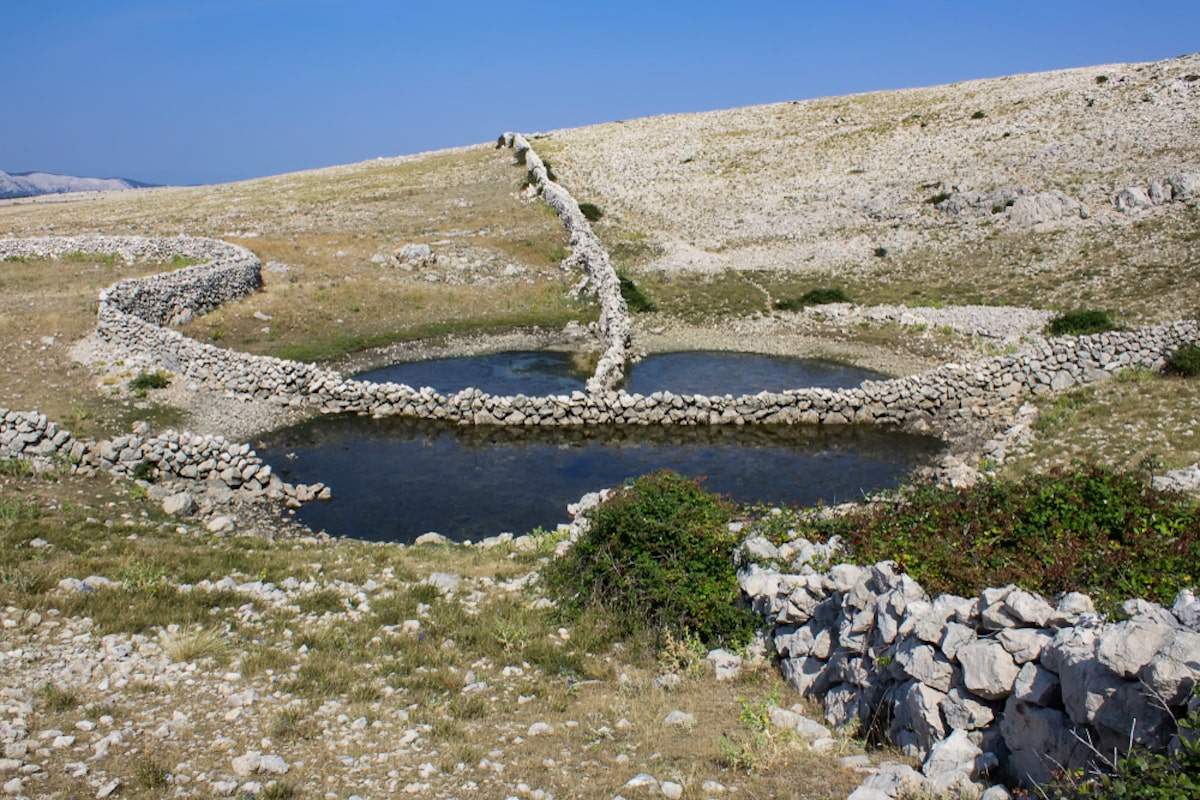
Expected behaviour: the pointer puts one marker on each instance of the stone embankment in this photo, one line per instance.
(1003, 686)
(167, 456)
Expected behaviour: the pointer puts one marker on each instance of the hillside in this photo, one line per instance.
(32, 184)
(941, 178)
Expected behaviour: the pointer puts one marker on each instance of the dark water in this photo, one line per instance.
(699, 372)
(396, 479)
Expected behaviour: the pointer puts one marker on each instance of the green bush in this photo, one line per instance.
(591, 211)
(144, 471)
(150, 380)
(978, 115)
(658, 556)
(1140, 774)
(635, 298)
(881, 252)
(933, 200)
(1185, 362)
(1081, 323)
(813, 297)
(1089, 529)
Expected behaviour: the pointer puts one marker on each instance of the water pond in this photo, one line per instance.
(691, 372)
(394, 479)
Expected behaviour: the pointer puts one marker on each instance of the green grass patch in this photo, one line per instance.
(1184, 362)
(813, 297)
(635, 298)
(591, 211)
(657, 557)
(1082, 322)
(145, 381)
(80, 257)
(1089, 529)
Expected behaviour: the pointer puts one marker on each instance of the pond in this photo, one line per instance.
(691, 372)
(394, 479)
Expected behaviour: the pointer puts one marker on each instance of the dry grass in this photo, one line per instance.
(326, 225)
(58, 299)
(597, 696)
(1120, 423)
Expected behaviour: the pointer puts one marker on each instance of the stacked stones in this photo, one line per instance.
(168, 456)
(589, 256)
(1004, 685)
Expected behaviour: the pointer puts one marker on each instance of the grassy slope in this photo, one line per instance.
(581, 684)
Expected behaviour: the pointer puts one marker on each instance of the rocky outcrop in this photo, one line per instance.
(1004, 685)
(1031, 210)
(1181, 187)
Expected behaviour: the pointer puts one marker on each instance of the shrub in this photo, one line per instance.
(978, 115)
(657, 556)
(1088, 529)
(591, 211)
(1140, 774)
(1101, 79)
(933, 200)
(813, 297)
(150, 380)
(1081, 323)
(144, 471)
(635, 298)
(881, 252)
(1185, 362)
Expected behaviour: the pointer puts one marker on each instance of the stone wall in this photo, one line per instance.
(590, 257)
(169, 456)
(1005, 685)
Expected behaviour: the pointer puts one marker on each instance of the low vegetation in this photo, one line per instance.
(814, 297)
(1082, 322)
(481, 666)
(1184, 362)
(144, 381)
(1138, 416)
(1139, 774)
(657, 556)
(1102, 532)
(591, 211)
(635, 299)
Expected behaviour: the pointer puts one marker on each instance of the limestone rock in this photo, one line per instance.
(988, 670)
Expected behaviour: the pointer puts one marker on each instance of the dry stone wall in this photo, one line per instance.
(166, 456)
(134, 314)
(1007, 685)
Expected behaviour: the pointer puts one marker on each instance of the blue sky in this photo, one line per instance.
(201, 91)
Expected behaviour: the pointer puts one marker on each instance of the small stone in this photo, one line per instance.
(180, 504)
(680, 718)
(671, 790)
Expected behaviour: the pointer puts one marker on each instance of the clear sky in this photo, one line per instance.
(198, 91)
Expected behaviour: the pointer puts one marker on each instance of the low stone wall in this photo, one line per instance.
(1005, 685)
(590, 257)
(168, 456)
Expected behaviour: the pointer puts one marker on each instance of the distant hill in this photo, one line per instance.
(29, 184)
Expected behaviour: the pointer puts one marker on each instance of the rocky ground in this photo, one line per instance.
(1002, 191)
(145, 656)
